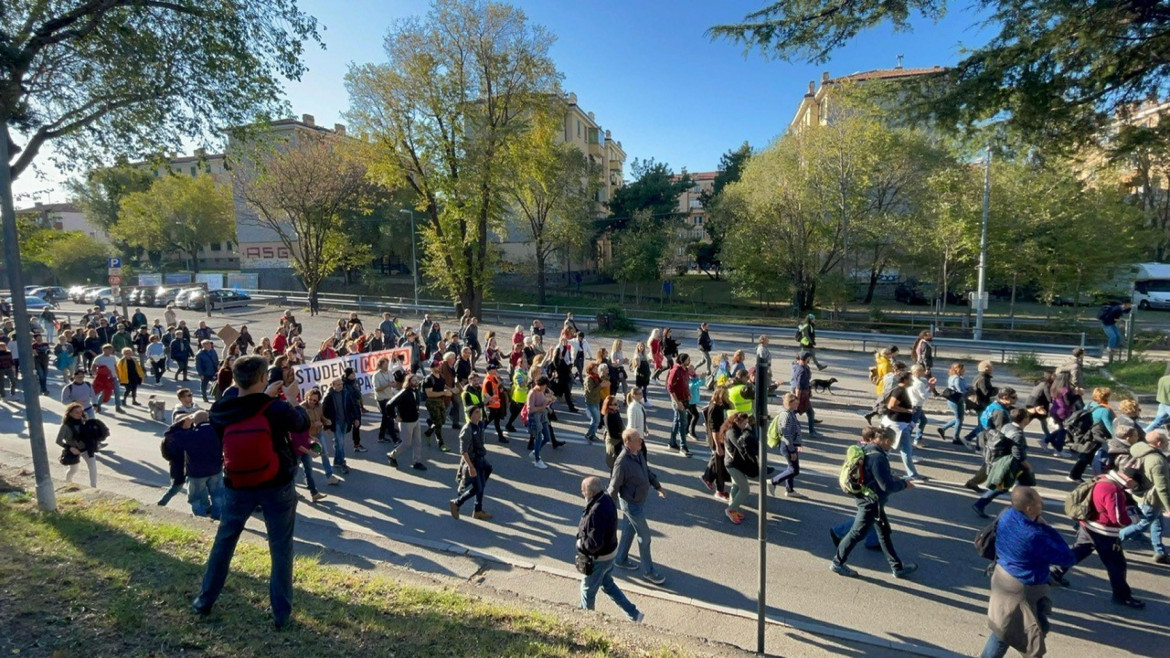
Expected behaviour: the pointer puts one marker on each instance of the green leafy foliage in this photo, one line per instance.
(177, 214)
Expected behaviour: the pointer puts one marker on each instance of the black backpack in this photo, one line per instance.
(985, 543)
(1105, 312)
(1079, 424)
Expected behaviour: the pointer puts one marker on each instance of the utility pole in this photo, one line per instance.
(981, 290)
(413, 256)
(46, 497)
(763, 380)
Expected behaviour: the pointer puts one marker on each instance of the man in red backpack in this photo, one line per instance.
(259, 466)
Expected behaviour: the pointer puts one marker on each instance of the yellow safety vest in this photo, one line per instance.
(740, 401)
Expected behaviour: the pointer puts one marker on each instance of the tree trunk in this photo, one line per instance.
(874, 272)
(1012, 307)
(314, 309)
(541, 273)
(194, 259)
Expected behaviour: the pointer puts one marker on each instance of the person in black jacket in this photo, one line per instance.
(705, 347)
(871, 509)
(276, 497)
(597, 539)
(340, 414)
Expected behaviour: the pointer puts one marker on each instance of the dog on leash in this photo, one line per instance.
(822, 385)
(158, 409)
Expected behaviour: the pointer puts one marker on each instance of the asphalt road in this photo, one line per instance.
(703, 556)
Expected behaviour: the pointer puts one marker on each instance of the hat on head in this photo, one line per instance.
(811, 316)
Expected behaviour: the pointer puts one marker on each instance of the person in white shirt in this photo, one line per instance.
(921, 389)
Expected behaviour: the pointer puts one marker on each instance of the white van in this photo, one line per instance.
(1151, 285)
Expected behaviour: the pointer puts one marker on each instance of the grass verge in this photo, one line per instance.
(1138, 375)
(103, 578)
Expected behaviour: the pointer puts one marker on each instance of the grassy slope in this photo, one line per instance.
(102, 578)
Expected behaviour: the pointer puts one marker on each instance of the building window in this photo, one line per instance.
(578, 129)
(698, 220)
(215, 246)
(194, 170)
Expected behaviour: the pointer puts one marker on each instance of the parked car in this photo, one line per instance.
(184, 296)
(165, 295)
(53, 294)
(85, 296)
(909, 293)
(34, 304)
(218, 299)
(104, 294)
(147, 296)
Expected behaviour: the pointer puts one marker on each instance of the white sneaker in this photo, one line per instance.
(638, 619)
(332, 480)
(539, 464)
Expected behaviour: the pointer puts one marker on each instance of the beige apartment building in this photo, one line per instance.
(816, 107)
(63, 217)
(690, 207)
(582, 130)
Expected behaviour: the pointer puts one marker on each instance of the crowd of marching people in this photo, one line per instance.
(480, 384)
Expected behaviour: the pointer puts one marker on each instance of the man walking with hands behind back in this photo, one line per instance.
(597, 541)
(631, 482)
(259, 468)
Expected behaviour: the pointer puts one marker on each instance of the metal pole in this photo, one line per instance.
(763, 380)
(1131, 329)
(46, 497)
(413, 256)
(983, 245)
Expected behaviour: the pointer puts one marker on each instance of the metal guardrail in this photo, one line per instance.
(529, 312)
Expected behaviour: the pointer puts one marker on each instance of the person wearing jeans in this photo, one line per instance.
(741, 456)
(1157, 500)
(900, 413)
(631, 482)
(205, 494)
(539, 400)
(474, 469)
(592, 386)
(871, 509)
(597, 539)
(245, 492)
(678, 384)
(1163, 415)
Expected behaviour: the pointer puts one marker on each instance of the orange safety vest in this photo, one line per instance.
(492, 396)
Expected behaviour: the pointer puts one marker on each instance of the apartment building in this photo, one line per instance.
(694, 215)
(582, 130)
(816, 106)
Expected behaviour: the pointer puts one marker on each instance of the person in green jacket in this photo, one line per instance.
(1156, 501)
(1163, 415)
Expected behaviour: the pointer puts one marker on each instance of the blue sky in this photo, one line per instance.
(644, 67)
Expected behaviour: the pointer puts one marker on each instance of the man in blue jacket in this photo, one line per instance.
(1025, 549)
(275, 497)
(871, 510)
(206, 366)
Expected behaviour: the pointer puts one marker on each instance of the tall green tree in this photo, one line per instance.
(554, 193)
(1059, 70)
(303, 192)
(99, 194)
(458, 88)
(641, 253)
(707, 254)
(655, 189)
(178, 214)
(102, 78)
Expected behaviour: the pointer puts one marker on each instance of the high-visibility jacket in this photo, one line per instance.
(519, 386)
(471, 399)
(491, 390)
(741, 397)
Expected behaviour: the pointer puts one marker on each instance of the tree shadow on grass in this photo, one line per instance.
(130, 595)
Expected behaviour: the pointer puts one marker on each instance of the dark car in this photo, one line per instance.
(146, 296)
(909, 293)
(218, 299)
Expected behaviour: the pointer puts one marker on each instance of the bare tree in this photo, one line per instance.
(301, 191)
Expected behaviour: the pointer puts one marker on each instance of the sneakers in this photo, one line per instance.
(979, 511)
(627, 565)
(942, 434)
(360, 449)
(454, 507)
(722, 495)
(539, 464)
(318, 496)
(1161, 558)
(656, 578)
(637, 619)
(502, 439)
(794, 494)
(482, 516)
(841, 570)
(393, 461)
(733, 516)
(707, 483)
(344, 469)
(1072, 479)
(684, 451)
(970, 484)
(332, 479)
(1056, 578)
(907, 569)
(418, 466)
(443, 448)
(771, 488)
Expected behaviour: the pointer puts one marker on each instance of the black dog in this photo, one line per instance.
(822, 385)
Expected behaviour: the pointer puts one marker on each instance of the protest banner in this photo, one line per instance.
(320, 373)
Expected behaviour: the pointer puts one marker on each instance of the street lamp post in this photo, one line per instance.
(980, 292)
(413, 255)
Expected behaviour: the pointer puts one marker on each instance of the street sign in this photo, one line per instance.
(115, 280)
(114, 263)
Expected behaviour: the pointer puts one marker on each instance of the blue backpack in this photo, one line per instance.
(985, 417)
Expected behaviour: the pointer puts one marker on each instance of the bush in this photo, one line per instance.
(1025, 365)
(620, 322)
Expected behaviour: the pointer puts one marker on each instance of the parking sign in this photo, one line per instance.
(114, 263)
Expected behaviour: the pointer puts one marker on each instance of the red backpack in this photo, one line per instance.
(249, 457)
